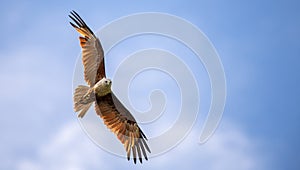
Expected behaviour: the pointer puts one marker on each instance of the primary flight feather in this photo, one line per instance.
(114, 114)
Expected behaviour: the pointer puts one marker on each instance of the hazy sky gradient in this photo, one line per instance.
(258, 43)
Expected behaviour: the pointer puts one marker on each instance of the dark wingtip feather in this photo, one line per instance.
(79, 21)
(141, 161)
(143, 135)
(145, 144)
(79, 24)
(134, 160)
(142, 148)
(72, 11)
(73, 25)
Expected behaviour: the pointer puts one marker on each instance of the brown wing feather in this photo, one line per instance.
(115, 117)
(92, 51)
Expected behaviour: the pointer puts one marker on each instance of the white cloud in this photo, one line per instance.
(69, 148)
(231, 149)
(228, 148)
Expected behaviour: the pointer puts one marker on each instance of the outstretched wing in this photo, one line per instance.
(92, 51)
(119, 120)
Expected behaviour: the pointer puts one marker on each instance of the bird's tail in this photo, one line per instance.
(82, 100)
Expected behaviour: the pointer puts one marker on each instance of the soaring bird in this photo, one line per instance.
(107, 106)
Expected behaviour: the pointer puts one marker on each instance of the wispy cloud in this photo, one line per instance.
(69, 148)
(35, 91)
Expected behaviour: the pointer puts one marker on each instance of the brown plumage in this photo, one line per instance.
(114, 114)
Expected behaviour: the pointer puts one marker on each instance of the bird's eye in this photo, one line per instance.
(105, 81)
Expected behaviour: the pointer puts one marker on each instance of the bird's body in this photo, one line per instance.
(114, 114)
(85, 95)
(102, 87)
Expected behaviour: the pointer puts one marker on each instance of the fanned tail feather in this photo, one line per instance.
(83, 107)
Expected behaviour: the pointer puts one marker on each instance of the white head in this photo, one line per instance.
(103, 87)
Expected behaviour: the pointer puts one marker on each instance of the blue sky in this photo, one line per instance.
(257, 41)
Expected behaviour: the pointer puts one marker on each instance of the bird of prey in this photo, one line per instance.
(107, 106)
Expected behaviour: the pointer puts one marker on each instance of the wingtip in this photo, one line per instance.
(73, 25)
(71, 13)
(142, 133)
(79, 21)
(149, 150)
(74, 12)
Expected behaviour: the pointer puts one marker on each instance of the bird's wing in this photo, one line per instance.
(92, 51)
(119, 120)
